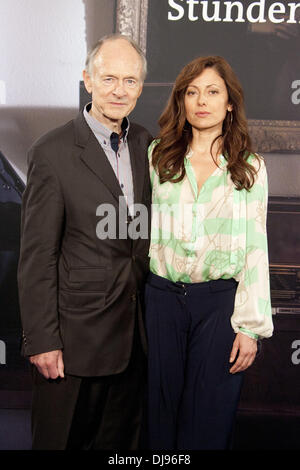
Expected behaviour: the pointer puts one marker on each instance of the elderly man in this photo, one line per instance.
(80, 292)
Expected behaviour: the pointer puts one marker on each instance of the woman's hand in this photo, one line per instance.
(247, 348)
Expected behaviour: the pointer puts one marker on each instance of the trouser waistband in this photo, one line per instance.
(183, 287)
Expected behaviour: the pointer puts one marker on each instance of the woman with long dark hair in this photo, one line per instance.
(207, 296)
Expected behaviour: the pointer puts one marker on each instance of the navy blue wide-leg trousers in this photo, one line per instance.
(192, 396)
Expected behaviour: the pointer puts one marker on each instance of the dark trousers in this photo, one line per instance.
(192, 397)
(90, 413)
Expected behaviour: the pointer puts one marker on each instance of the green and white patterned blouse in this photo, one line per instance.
(217, 233)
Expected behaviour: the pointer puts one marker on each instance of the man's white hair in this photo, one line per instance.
(113, 37)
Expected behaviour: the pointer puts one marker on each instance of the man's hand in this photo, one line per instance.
(49, 364)
(247, 348)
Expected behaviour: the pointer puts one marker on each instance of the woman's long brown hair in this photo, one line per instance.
(176, 132)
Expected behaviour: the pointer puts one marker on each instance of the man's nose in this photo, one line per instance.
(119, 89)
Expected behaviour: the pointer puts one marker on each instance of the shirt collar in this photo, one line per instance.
(101, 131)
(189, 154)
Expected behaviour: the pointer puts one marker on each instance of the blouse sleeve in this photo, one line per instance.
(252, 312)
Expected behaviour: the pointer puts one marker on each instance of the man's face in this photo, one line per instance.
(115, 82)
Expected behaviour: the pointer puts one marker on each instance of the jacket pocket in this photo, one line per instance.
(88, 279)
(80, 300)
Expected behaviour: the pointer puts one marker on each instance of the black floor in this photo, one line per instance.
(252, 432)
(15, 429)
(267, 432)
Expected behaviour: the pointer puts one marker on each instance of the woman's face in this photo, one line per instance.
(206, 101)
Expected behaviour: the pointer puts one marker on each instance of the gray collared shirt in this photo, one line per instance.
(120, 161)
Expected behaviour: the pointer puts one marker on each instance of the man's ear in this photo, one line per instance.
(87, 81)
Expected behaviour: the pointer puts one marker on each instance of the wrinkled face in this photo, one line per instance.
(115, 82)
(206, 101)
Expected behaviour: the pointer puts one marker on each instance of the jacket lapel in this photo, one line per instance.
(94, 157)
(137, 165)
